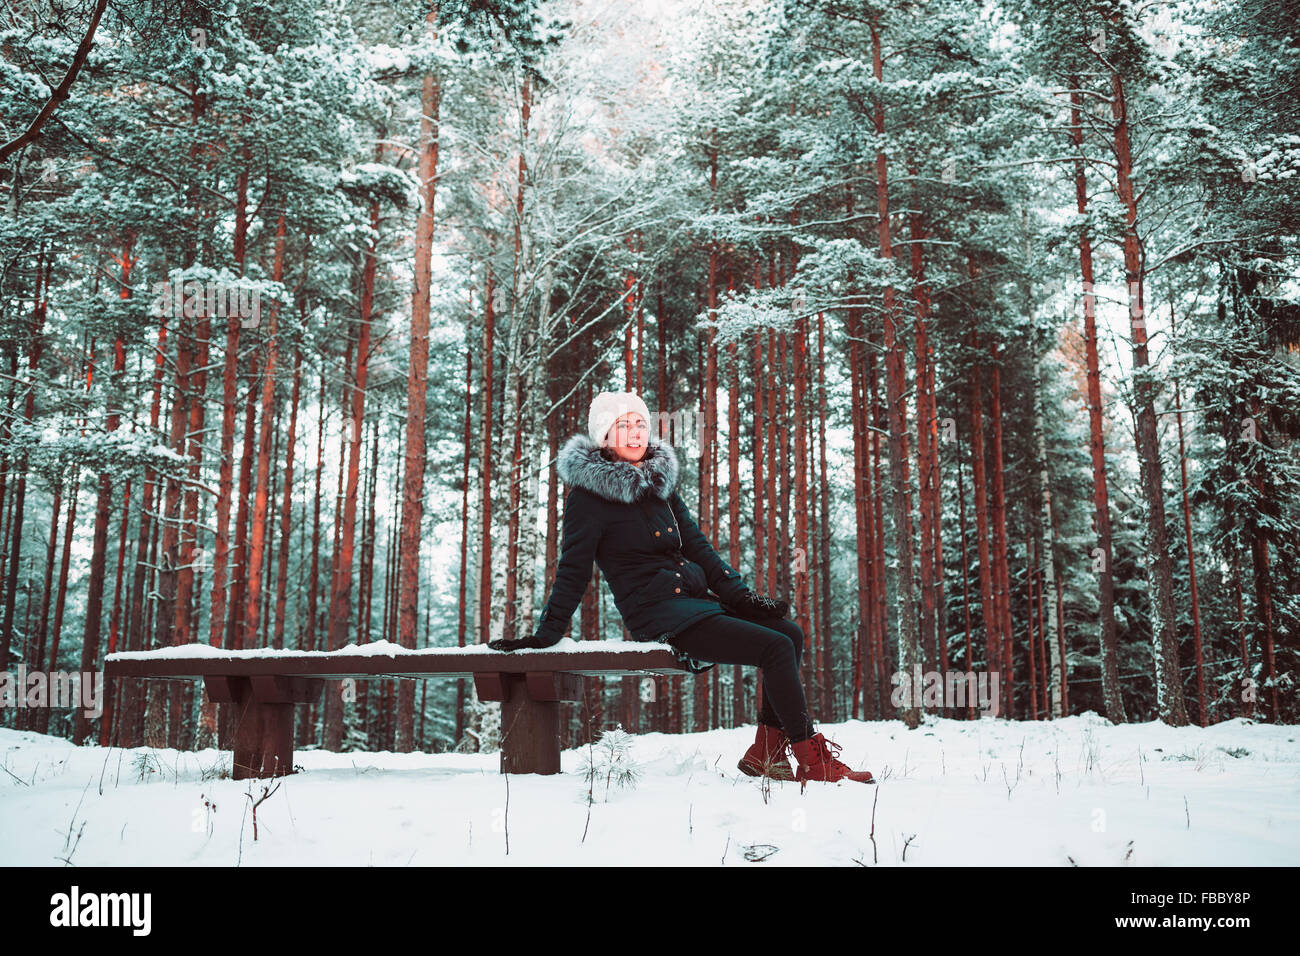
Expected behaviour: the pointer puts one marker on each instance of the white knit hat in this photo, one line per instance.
(609, 407)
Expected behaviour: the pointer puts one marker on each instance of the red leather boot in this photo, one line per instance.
(766, 756)
(817, 762)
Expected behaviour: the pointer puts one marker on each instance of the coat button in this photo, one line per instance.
(656, 534)
(681, 562)
(678, 573)
(677, 590)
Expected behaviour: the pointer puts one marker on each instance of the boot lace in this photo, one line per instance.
(830, 756)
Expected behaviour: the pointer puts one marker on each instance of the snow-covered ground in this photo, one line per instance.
(949, 793)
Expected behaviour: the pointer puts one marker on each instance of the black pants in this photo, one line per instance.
(775, 645)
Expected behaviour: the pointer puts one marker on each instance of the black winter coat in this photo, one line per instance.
(633, 524)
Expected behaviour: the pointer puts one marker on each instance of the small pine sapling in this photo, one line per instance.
(610, 759)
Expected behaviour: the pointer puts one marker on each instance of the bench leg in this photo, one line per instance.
(530, 730)
(263, 745)
(263, 740)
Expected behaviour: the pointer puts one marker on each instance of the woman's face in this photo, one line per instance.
(628, 437)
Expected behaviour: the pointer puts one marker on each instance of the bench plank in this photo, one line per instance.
(263, 686)
(596, 658)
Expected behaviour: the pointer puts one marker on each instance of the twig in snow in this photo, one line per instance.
(1188, 812)
(591, 773)
(267, 791)
(71, 823)
(906, 843)
(875, 855)
(239, 855)
(724, 849)
(68, 859)
(1010, 786)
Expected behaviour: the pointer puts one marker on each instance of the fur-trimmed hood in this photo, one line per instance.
(581, 463)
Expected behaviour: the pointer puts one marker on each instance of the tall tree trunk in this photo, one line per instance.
(156, 724)
(61, 602)
(43, 267)
(880, 651)
(113, 694)
(802, 590)
(230, 385)
(1187, 528)
(185, 609)
(759, 373)
(30, 719)
(235, 630)
(1043, 640)
(417, 386)
(310, 639)
(1029, 605)
(341, 582)
(1112, 698)
(1263, 587)
(988, 607)
(733, 510)
(286, 508)
(485, 549)
(103, 504)
(700, 716)
(1245, 678)
(462, 595)
(252, 622)
(863, 525)
(136, 627)
(1168, 677)
(1056, 707)
(1002, 573)
(628, 686)
(895, 389)
(369, 535)
(926, 450)
(512, 418)
(824, 522)
(965, 581)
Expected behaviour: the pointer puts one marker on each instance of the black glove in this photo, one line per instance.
(501, 644)
(758, 607)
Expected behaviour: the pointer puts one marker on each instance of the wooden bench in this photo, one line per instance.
(264, 685)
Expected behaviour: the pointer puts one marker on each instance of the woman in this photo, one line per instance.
(624, 512)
